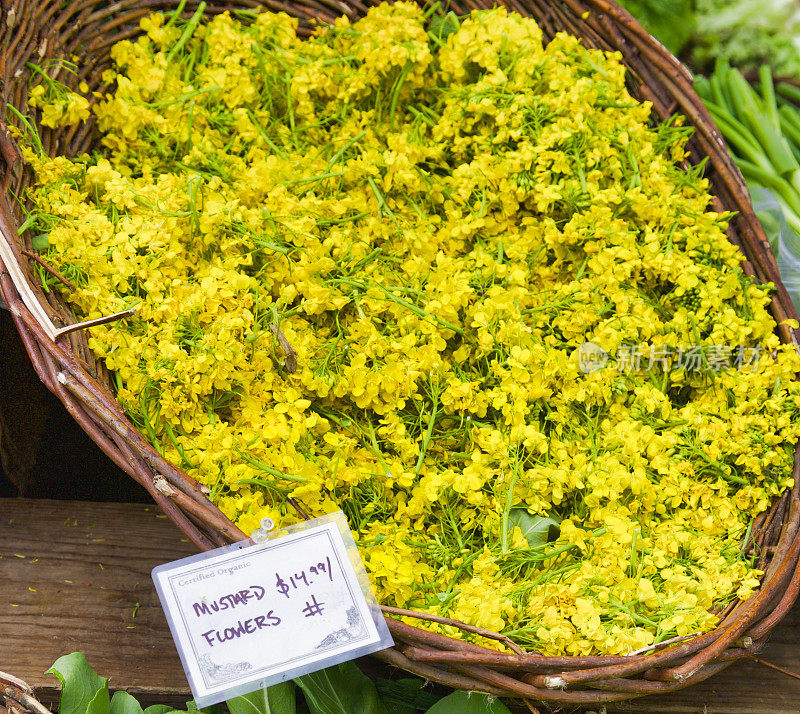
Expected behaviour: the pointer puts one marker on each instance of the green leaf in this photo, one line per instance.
(671, 22)
(212, 709)
(277, 699)
(343, 688)
(40, 242)
(100, 704)
(80, 684)
(442, 26)
(537, 530)
(469, 703)
(159, 709)
(124, 703)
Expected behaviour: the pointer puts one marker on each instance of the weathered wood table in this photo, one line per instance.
(76, 576)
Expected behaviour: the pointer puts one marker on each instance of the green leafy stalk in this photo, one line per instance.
(188, 31)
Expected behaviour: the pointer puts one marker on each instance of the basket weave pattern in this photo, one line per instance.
(39, 31)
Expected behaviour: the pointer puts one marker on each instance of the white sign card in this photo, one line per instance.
(250, 615)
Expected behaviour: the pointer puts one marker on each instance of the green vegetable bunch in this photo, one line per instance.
(342, 689)
(749, 34)
(762, 130)
(746, 33)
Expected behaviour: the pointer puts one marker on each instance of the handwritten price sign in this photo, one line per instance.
(247, 616)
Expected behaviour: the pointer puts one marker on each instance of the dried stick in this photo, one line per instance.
(771, 665)
(658, 645)
(96, 321)
(23, 695)
(455, 623)
(49, 268)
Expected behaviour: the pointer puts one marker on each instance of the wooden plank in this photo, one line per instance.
(73, 574)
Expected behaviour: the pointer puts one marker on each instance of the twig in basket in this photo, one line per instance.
(288, 350)
(20, 281)
(10, 153)
(513, 646)
(15, 682)
(161, 484)
(528, 703)
(97, 321)
(49, 268)
(300, 510)
(26, 701)
(657, 645)
(770, 665)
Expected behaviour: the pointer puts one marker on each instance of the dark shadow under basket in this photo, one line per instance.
(41, 30)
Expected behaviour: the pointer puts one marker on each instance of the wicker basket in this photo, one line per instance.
(39, 30)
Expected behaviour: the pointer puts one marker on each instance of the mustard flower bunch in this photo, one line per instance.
(366, 265)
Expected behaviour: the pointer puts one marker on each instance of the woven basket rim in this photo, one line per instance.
(31, 30)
